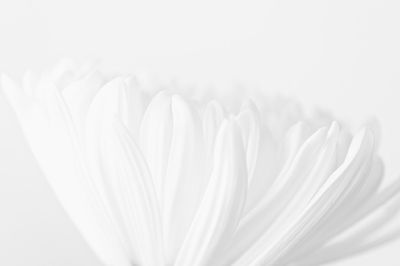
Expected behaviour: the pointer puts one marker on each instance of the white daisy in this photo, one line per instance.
(159, 179)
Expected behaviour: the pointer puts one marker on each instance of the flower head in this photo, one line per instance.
(156, 178)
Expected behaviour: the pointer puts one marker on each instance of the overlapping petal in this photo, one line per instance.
(153, 178)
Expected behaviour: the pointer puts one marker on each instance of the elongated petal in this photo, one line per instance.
(213, 115)
(102, 110)
(135, 195)
(110, 102)
(249, 122)
(78, 96)
(185, 178)
(221, 206)
(56, 151)
(155, 138)
(152, 178)
(281, 237)
(272, 160)
(134, 106)
(363, 240)
(254, 224)
(341, 219)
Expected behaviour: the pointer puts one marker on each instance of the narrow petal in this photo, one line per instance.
(249, 122)
(213, 115)
(135, 193)
(155, 138)
(342, 218)
(254, 224)
(185, 178)
(55, 147)
(220, 209)
(365, 237)
(284, 234)
(101, 113)
(79, 94)
(272, 160)
(134, 111)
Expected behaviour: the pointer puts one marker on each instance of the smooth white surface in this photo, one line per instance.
(340, 55)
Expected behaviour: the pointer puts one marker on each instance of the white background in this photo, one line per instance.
(342, 55)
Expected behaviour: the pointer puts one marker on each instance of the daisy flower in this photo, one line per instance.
(152, 177)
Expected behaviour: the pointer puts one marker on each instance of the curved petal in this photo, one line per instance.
(220, 209)
(249, 122)
(342, 218)
(55, 147)
(185, 177)
(155, 138)
(110, 102)
(285, 234)
(135, 195)
(254, 224)
(365, 236)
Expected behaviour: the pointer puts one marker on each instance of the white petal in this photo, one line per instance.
(105, 107)
(270, 161)
(185, 178)
(367, 234)
(102, 111)
(135, 193)
(79, 94)
(220, 209)
(254, 224)
(213, 115)
(249, 122)
(284, 234)
(55, 147)
(133, 107)
(340, 219)
(155, 137)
